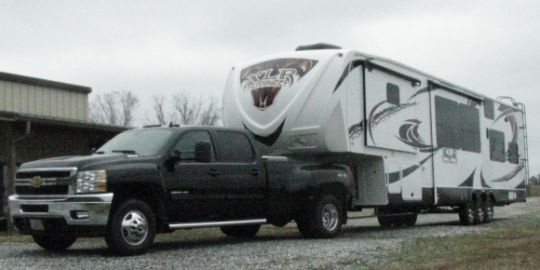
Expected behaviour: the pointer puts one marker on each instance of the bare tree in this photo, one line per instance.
(209, 115)
(115, 108)
(186, 109)
(159, 109)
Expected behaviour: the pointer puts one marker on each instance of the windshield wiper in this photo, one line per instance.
(125, 151)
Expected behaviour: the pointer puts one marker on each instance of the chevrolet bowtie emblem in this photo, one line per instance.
(36, 182)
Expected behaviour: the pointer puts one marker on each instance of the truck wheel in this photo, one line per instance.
(245, 231)
(131, 229)
(466, 214)
(489, 210)
(479, 214)
(54, 242)
(323, 219)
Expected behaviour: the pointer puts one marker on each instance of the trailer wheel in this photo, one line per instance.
(479, 214)
(131, 229)
(323, 219)
(466, 214)
(489, 210)
(245, 231)
(54, 242)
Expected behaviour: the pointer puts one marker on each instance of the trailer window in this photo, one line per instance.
(469, 128)
(233, 147)
(513, 152)
(392, 94)
(489, 111)
(447, 122)
(496, 145)
(457, 125)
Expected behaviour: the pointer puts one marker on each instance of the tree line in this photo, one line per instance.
(119, 108)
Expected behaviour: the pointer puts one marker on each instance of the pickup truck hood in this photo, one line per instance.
(81, 162)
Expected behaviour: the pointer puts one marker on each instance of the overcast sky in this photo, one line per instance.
(149, 47)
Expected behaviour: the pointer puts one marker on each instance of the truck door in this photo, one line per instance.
(243, 180)
(194, 186)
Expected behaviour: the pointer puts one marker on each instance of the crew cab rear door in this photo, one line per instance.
(244, 178)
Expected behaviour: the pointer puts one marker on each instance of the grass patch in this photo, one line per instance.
(534, 190)
(516, 246)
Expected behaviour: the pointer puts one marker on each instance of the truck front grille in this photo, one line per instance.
(54, 181)
(44, 190)
(43, 174)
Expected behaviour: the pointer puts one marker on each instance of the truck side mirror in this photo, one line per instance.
(203, 152)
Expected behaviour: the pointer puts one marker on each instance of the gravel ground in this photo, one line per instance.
(362, 244)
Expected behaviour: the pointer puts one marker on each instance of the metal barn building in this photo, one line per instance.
(42, 118)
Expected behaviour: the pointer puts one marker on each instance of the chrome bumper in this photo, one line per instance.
(87, 210)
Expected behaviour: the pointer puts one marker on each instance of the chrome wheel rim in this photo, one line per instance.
(470, 214)
(490, 212)
(134, 228)
(481, 214)
(330, 217)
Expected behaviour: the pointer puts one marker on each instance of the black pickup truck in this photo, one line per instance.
(155, 180)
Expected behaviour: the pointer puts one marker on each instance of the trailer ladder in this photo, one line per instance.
(523, 127)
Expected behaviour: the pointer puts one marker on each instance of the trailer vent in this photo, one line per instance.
(317, 46)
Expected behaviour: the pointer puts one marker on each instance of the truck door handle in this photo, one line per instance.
(254, 172)
(214, 172)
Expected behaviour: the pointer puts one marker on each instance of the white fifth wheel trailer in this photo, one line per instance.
(414, 142)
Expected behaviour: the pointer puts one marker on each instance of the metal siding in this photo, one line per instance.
(3, 90)
(43, 101)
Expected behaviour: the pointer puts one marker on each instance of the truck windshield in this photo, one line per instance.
(143, 142)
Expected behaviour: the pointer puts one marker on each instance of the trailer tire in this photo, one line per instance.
(489, 210)
(466, 214)
(131, 229)
(479, 214)
(54, 242)
(244, 231)
(323, 219)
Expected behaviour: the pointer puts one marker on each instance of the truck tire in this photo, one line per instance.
(54, 242)
(131, 229)
(244, 231)
(479, 215)
(386, 221)
(409, 219)
(466, 214)
(323, 219)
(489, 210)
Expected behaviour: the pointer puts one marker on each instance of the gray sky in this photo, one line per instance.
(150, 47)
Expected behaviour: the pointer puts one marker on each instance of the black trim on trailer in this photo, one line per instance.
(435, 85)
(370, 65)
(366, 124)
(433, 199)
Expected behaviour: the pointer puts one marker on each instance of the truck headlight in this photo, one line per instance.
(91, 181)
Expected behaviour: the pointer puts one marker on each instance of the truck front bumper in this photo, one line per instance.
(82, 213)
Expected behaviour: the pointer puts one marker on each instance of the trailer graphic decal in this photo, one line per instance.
(508, 176)
(395, 176)
(377, 118)
(408, 134)
(265, 80)
(270, 139)
(469, 181)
